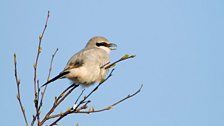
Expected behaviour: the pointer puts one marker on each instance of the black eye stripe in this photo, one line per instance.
(102, 44)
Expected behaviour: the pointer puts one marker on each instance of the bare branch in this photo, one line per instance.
(37, 110)
(79, 96)
(43, 92)
(129, 96)
(59, 114)
(39, 49)
(91, 110)
(48, 78)
(18, 91)
(58, 101)
(111, 106)
(125, 57)
(35, 71)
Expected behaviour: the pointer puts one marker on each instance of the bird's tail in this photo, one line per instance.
(55, 78)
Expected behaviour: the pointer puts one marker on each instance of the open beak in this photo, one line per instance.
(112, 46)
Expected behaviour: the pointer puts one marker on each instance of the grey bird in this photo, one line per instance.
(88, 65)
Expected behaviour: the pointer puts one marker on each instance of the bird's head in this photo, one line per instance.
(101, 42)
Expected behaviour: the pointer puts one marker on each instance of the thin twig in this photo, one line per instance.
(43, 92)
(39, 50)
(59, 114)
(38, 94)
(55, 104)
(35, 70)
(79, 96)
(18, 91)
(129, 96)
(111, 106)
(48, 78)
(58, 101)
(125, 57)
(64, 96)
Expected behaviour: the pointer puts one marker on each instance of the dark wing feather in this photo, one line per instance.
(55, 78)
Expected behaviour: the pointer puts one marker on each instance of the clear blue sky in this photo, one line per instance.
(179, 46)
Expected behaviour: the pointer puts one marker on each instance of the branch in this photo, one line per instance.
(92, 110)
(111, 106)
(35, 71)
(79, 96)
(36, 105)
(74, 106)
(18, 91)
(43, 92)
(48, 78)
(125, 57)
(58, 101)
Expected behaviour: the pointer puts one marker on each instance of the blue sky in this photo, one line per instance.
(178, 43)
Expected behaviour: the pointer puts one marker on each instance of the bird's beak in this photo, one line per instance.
(112, 46)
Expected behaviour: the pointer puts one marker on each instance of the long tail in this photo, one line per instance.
(55, 78)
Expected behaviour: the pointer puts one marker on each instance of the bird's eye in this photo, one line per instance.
(101, 44)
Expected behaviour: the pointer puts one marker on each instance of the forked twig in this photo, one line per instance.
(111, 106)
(58, 101)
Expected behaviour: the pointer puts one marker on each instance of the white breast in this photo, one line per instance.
(83, 75)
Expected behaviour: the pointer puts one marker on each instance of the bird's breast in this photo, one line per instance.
(85, 75)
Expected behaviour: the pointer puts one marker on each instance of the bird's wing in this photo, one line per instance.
(77, 63)
(94, 56)
(97, 56)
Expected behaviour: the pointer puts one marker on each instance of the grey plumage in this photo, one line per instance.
(86, 66)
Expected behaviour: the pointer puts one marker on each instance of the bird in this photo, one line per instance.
(87, 66)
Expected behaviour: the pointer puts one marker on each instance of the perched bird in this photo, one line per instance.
(88, 65)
